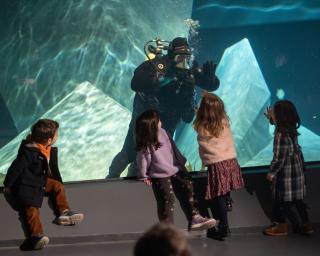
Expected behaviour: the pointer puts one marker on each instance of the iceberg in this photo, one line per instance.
(92, 130)
(246, 96)
(308, 140)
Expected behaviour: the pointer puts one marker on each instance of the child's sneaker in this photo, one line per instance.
(34, 243)
(41, 242)
(70, 218)
(201, 223)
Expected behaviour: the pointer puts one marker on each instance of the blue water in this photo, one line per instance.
(48, 49)
(231, 13)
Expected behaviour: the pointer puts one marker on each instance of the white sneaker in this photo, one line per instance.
(70, 218)
(43, 242)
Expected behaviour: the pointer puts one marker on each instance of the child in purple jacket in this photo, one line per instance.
(161, 165)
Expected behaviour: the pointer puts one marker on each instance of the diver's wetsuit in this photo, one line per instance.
(175, 101)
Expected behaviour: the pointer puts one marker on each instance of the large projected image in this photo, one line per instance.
(283, 36)
(246, 96)
(75, 65)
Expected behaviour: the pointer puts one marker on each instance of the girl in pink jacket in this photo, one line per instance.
(218, 154)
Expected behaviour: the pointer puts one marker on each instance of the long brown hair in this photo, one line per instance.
(287, 118)
(210, 115)
(146, 131)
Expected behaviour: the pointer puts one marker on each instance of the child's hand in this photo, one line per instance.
(270, 177)
(268, 113)
(6, 190)
(147, 181)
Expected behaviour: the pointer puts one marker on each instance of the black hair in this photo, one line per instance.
(286, 118)
(146, 131)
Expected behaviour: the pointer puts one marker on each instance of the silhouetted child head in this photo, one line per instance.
(211, 115)
(162, 240)
(45, 132)
(286, 117)
(146, 130)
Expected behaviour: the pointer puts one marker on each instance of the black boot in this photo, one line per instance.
(224, 230)
(215, 234)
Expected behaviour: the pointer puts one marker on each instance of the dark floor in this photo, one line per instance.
(238, 244)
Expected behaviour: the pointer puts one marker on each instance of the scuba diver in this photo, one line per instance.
(166, 83)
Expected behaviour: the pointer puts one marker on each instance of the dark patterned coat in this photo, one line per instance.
(287, 167)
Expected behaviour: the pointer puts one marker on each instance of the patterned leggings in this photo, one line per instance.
(164, 190)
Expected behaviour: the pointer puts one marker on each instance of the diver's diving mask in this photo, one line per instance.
(183, 61)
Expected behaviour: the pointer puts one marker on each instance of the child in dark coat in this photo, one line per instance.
(287, 172)
(33, 174)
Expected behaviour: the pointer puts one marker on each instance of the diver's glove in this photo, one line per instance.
(205, 76)
(209, 69)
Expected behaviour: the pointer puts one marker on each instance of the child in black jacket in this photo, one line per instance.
(33, 174)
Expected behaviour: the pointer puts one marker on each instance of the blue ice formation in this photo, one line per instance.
(246, 96)
(92, 129)
(308, 140)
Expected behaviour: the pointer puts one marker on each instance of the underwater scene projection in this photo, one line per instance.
(284, 38)
(75, 65)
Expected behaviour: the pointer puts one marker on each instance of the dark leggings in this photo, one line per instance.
(295, 211)
(164, 190)
(219, 209)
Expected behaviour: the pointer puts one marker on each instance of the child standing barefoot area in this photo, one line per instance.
(161, 165)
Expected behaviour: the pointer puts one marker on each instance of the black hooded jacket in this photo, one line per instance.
(28, 173)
